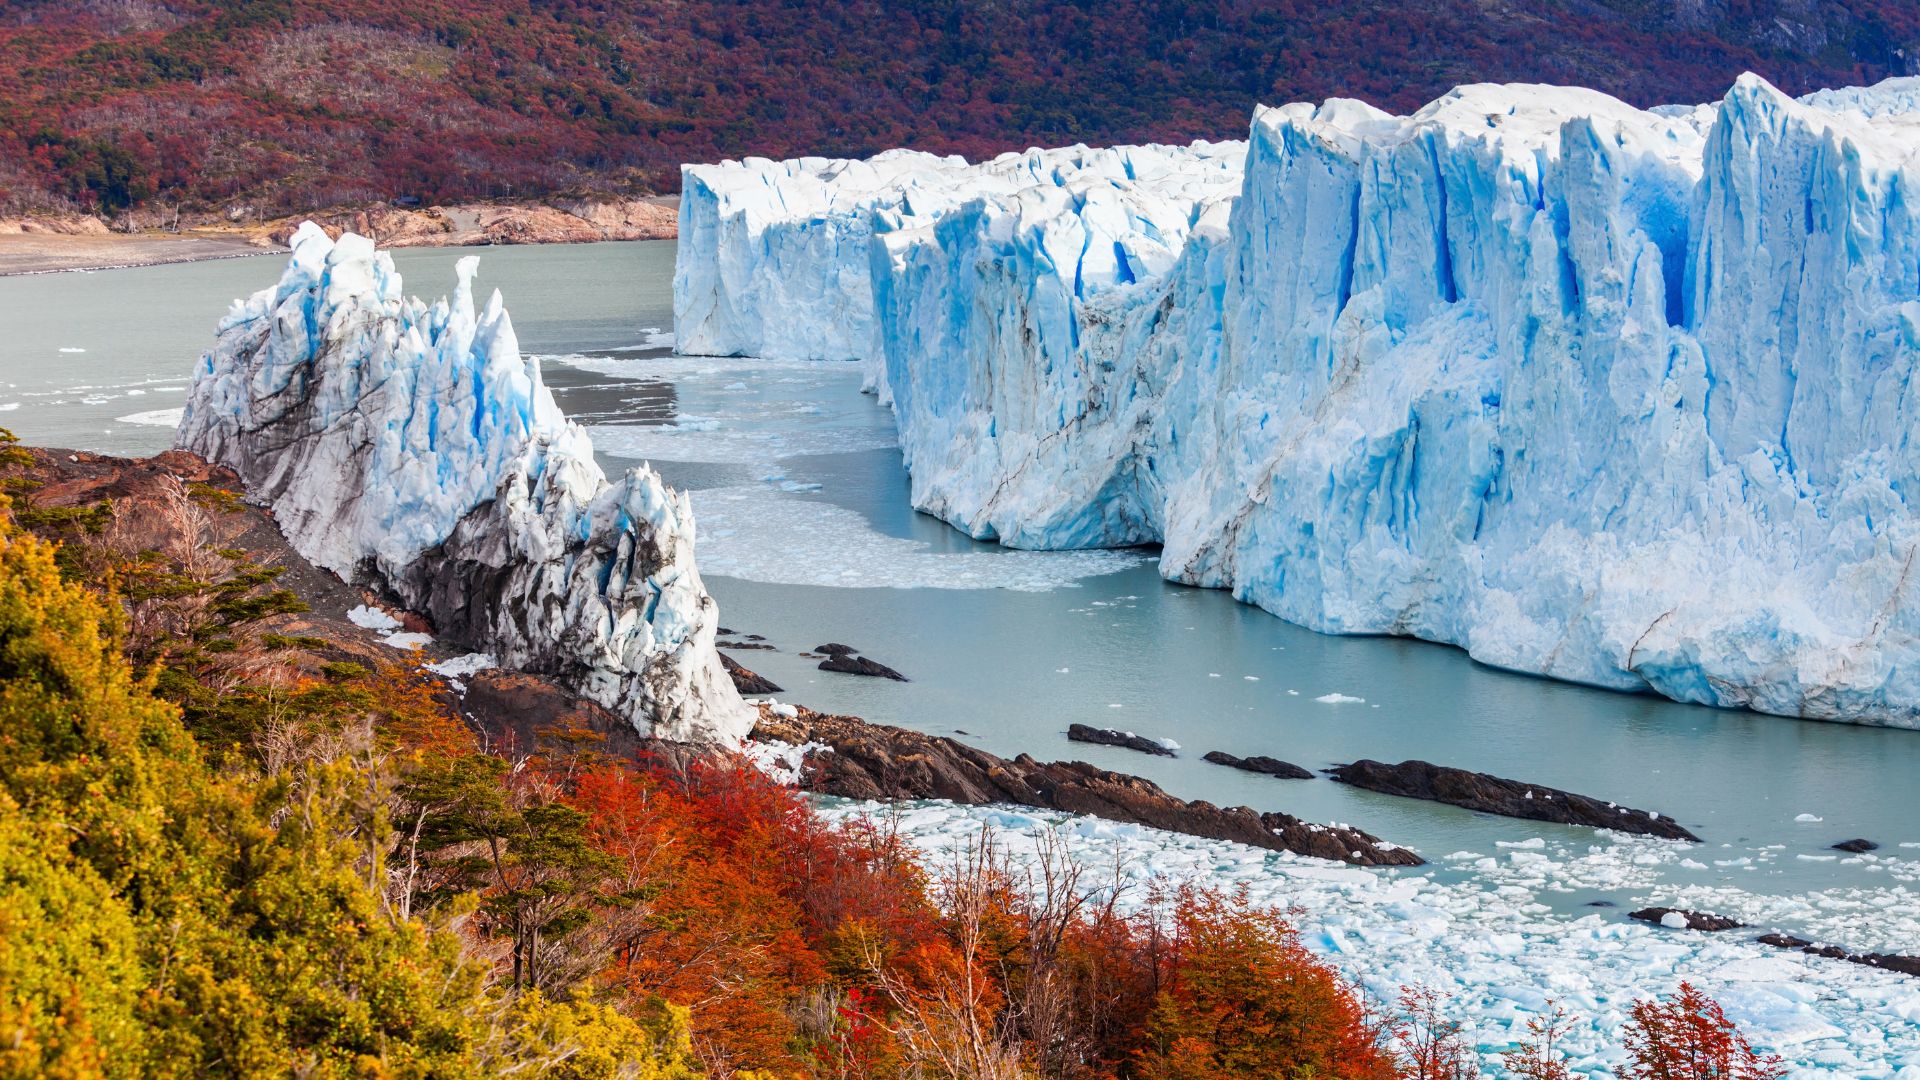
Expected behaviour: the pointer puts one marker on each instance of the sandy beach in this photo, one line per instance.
(76, 243)
(44, 253)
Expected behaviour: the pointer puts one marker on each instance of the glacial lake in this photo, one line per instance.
(802, 504)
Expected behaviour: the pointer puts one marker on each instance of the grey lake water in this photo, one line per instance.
(806, 537)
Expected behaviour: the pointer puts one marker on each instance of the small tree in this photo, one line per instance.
(1538, 1058)
(1689, 1038)
(1431, 1045)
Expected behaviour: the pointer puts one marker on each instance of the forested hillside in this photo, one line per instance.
(256, 107)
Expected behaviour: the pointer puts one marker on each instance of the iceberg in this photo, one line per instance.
(1610, 395)
(412, 449)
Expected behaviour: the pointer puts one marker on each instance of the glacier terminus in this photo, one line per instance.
(1617, 396)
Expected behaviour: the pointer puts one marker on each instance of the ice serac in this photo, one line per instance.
(1615, 396)
(413, 449)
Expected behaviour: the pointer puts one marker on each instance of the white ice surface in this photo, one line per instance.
(155, 418)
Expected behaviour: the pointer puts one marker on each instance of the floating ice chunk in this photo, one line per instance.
(155, 418)
(1806, 819)
(70, 349)
(1340, 699)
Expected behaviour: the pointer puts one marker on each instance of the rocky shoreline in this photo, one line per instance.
(850, 758)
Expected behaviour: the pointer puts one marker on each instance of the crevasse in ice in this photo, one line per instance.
(412, 448)
(1615, 396)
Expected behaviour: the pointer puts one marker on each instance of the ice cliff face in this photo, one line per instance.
(774, 254)
(1613, 396)
(412, 448)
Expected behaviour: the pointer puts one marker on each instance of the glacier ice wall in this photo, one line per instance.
(412, 448)
(1615, 396)
(774, 254)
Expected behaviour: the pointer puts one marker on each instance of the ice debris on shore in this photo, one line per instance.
(1495, 943)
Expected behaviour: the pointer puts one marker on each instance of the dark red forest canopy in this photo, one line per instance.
(281, 105)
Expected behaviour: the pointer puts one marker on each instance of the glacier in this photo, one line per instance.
(1610, 395)
(410, 448)
(774, 254)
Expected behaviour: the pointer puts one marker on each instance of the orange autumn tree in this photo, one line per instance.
(1689, 1038)
(734, 894)
(1243, 997)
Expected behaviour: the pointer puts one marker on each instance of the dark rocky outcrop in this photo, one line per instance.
(175, 501)
(1696, 920)
(1904, 965)
(1109, 737)
(848, 664)
(835, 649)
(873, 761)
(1508, 798)
(1856, 846)
(760, 645)
(746, 681)
(1271, 766)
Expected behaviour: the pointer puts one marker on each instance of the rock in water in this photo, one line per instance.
(835, 649)
(745, 681)
(1109, 737)
(1259, 763)
(1905, 965)
(412, 449)
(1508, 798)
(873, 761)
(848, 664)
(1605, 394)
(1856, 846)
(1682, 919)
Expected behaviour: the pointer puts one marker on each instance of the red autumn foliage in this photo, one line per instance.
(1688, 1037)
(282, 105)
(1432, 1047)
(1241, 996)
